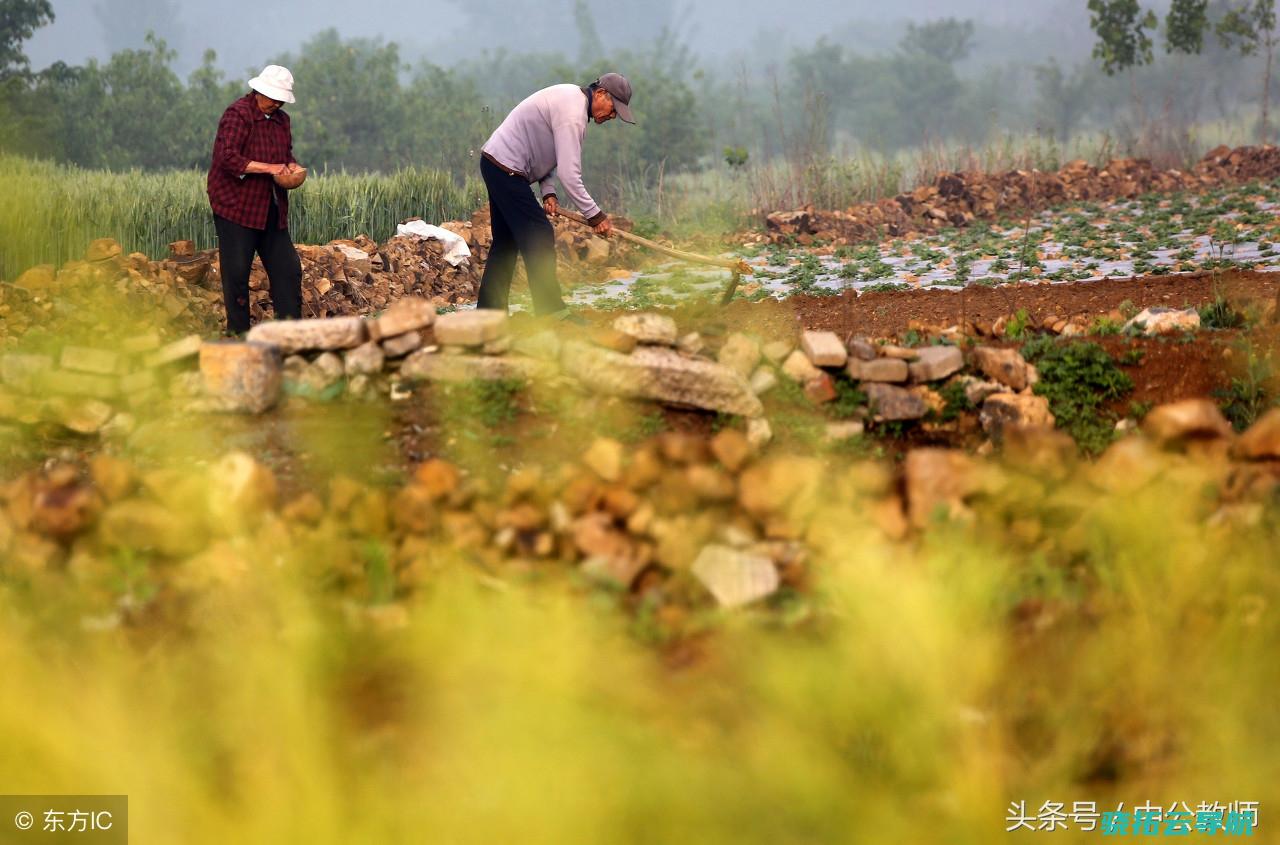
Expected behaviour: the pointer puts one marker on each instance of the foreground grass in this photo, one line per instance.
(1120, 653)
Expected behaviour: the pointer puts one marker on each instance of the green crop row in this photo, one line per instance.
(50, 212)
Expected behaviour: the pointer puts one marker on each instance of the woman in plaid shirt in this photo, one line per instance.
(252, 171)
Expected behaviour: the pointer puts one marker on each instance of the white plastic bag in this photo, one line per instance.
(455, 248)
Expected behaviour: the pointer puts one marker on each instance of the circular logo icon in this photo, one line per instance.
(24, 820)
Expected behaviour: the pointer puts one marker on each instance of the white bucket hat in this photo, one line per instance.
(275, 82)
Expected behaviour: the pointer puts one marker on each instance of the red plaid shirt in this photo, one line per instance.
(245, 134)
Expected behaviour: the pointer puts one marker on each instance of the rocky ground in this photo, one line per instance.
(651, 442)
(964, 550)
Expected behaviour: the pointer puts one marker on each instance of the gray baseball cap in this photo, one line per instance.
(620, 89)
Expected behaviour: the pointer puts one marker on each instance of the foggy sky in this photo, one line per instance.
(245, 34)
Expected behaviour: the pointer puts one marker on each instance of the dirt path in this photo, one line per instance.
(886, 313)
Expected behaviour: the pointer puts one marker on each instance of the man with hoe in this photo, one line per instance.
(540, 139)
(252, 171)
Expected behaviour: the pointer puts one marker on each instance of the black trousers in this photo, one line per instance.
(520, 227)
(236, 247)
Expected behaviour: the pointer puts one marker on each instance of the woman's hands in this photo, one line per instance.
(290, 176)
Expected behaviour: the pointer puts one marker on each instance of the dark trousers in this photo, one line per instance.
(236, 247)
(520, 226)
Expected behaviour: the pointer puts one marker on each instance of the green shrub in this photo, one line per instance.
(1078, 379)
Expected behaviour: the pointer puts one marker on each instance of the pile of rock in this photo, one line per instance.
(341, 278)
(109, 294)
(678, 520)
(956, 199)
(576, 245)
(900, 384)
(641, 357)
(83, 388)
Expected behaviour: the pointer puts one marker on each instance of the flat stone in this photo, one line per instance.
(1002, 411)
(22, 372)
(891, 403)
(1007, 366)
(976, 390)
(763, 380)
(409, 314)
(648, 328)
(325, 370)
(938, 481)
(609, 553)
(604, 457)
(820, 389)
(617, 569)
(501, 346)
(904, 353)
(613, 339)
(366, 359)
(731, 448)
(357, 260)
(85, 416)
(862, 349)
(597, 250)
(178, 350)
(295, 367)
(83, 359)
(1261, 441)
(360, 386)
(691, 343)
(934, 363)
(740, 354)
(240, 490)
(824, 349)
(242, 377)
(887, 370)
(1154, 321)
(777, 351)
(67, 383)
(845, 430)
(759, 433)
(1186, 420)
(543, 345)
(799, 368)
(316, 334)
(401, 345)
(663, 375)
(426, 366)
(735, 577)
(470, 328)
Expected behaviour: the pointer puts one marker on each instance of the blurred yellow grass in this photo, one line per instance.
(911, 708)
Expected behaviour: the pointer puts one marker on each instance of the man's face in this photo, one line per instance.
(602, 109)
(267, 104)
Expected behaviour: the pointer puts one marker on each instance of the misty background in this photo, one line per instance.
(721, 33)
(727, 86)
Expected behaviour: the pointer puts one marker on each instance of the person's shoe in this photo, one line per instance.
(567, 316)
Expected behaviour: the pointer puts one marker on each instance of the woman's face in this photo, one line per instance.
(267, 104)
